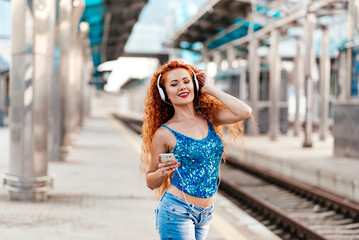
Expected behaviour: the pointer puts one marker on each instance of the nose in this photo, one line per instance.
(182, 86)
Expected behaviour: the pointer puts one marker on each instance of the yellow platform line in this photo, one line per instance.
(125, 133)
(222, 226)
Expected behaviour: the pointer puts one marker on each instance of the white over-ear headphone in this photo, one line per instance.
(162, 92)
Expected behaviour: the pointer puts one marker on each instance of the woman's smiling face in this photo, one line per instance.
(179, 86)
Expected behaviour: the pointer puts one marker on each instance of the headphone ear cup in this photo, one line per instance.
(195, 81)
(162, 94)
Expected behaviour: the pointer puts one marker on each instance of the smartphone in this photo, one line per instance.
(165, 157)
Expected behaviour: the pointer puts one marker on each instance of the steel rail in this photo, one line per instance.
(319, 196)
(271, 212)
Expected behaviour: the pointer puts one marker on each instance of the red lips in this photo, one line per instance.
(183, 94)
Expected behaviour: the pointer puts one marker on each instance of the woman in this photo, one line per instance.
(184, 113)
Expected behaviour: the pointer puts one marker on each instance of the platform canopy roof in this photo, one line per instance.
(212, 19)
(220, 22)
(110, 25)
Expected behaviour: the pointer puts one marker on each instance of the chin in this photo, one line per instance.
(184, 101)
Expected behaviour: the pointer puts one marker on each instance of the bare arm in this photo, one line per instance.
(236, 109)
(158, 171)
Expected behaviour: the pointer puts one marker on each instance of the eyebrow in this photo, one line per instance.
(177, 80)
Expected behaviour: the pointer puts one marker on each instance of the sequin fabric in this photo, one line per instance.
(200, 160)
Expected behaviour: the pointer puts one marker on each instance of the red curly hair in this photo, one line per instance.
(158, 112)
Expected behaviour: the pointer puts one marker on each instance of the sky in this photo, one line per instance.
(158, 21)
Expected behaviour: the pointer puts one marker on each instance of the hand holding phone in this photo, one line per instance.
(167, 163)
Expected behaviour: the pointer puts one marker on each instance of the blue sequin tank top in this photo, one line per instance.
(200, 160)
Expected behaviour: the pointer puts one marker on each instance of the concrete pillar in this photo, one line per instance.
(274, 81)
(298, 76)
(308, 84)
(33, 25)
(324, 83)
(253, 70)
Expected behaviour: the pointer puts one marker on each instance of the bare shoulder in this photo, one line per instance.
(163, 137)
(161, 132)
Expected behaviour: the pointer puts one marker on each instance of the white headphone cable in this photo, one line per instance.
(184, 195)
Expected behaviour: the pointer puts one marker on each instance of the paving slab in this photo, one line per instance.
(98, 193)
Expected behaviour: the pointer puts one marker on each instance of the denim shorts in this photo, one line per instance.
(177, 219)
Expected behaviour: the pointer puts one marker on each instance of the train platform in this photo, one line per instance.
(316, 166)
(100, 194)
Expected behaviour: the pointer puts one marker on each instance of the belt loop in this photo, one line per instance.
(163, 195)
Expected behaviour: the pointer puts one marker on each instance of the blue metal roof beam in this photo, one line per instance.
(298, 14)
(94, 16)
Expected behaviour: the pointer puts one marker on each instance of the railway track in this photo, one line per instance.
(290, 209)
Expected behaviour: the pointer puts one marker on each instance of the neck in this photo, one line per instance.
(185, 112)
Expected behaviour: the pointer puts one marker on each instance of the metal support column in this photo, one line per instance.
(342, 76)
(77, 107)
(84, 45)
(32, 64)
(75, 66)
(205, 58)
(217, 58)
(231, 56)
(254, 68)
(58, 82)
(274, 79)
(298, 77)
(2, 99)
(349, 51)
(64, 42)
(70, 72)
(243, 86)
(324, 83)
(309, 85)
(88, 69)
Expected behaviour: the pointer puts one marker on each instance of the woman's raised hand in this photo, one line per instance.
(203, 81)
